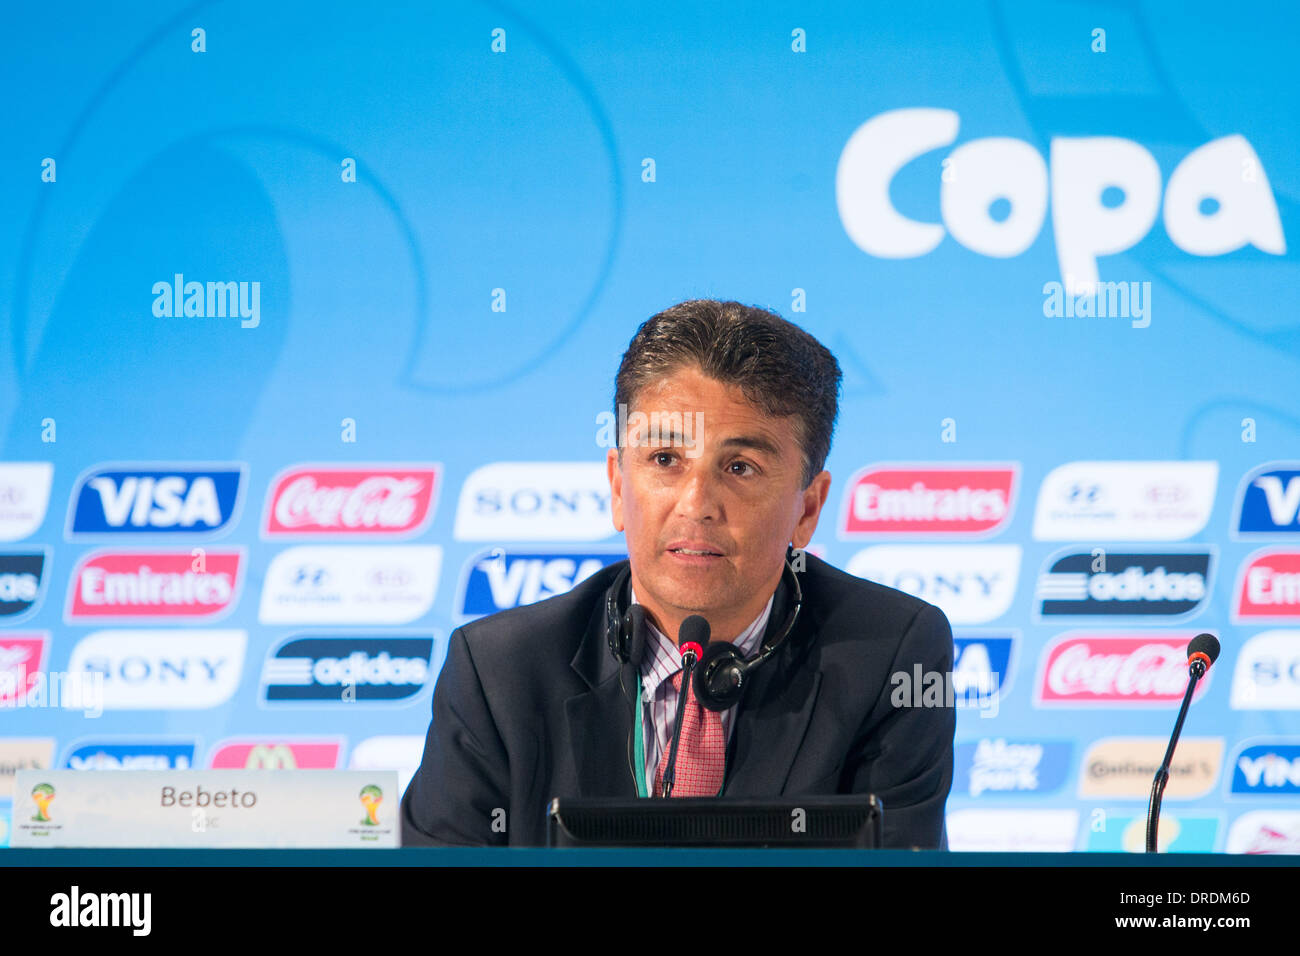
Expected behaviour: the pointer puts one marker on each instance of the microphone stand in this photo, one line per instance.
(1196, 670)
(670, 772)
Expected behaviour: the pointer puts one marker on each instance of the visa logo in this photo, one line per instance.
(152, 501)
(980, 665)
(1270, 502)
(497, 579)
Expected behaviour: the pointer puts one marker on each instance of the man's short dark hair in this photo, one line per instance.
(778, 366)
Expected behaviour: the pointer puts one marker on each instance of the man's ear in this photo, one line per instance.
(615, 472)
(812, 500)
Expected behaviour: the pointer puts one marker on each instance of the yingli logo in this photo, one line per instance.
(21, 656)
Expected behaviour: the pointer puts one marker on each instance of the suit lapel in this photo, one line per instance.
(599, 720)
(766, 738)
(772, 717)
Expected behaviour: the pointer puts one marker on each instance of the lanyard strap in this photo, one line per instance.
(638, 747)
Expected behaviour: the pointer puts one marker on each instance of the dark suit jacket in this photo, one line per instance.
(528, 707)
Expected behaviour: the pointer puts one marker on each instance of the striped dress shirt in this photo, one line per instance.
(659, 663)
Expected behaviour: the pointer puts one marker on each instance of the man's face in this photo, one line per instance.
(707, 526)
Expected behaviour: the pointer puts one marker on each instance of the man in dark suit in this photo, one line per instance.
(717, 475)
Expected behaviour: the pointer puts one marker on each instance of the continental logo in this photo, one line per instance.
(1124, 767)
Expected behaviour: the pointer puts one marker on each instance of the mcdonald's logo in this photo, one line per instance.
(282, 753)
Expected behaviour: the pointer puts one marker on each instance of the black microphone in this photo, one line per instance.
(692, 638)
(1201, 653)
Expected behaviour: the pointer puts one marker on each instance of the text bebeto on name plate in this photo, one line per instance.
(304, 809)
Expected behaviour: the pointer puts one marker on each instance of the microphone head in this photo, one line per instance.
(1206, 644)
(694, 630)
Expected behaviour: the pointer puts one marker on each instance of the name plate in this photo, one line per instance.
(305, 809)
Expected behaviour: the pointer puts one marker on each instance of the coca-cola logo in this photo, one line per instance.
(1106, 669)
(374, 503)
(313, 501)
(20, 664)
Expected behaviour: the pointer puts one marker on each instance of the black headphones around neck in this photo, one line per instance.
(722, 672)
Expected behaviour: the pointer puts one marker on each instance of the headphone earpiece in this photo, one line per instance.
(614, 630)
(719, 676)
(625, 630)
(634, 628)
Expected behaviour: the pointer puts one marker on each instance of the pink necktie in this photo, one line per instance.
(701, 752)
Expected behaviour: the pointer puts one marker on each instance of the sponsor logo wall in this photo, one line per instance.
(247, 513)
(1099, 629)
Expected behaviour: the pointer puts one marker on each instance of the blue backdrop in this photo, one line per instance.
(422, 236)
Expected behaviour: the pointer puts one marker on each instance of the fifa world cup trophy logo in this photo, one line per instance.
(371, 798)
(42, 793)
